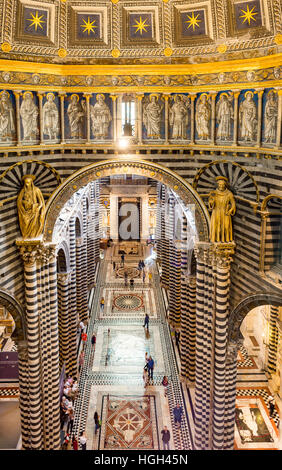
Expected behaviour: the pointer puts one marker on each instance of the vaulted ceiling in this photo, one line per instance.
(136, 32)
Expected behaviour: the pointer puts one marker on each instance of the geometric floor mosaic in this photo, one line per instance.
(129, 423)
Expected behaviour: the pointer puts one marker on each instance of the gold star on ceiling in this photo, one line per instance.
(36, 21)
(193, 21)
(248, 15)
(141, 25)
(88, 26)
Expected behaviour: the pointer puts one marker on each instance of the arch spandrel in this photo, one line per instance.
(96, 171)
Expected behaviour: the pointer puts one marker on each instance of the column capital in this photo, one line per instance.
(32, 251)
(222, 253)
(216, 253)
(64, 278)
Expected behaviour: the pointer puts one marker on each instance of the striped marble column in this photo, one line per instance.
(159, 223)
(230, 395)
(222, 257)
(175, 284)
(204, 345)
(81, 280)
(63, 318)
(24, 400)
(97, 222)
(73, 315)
(188, 328)
(29, 256)
(273, 339)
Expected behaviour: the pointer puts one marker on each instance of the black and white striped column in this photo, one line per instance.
(273, 339)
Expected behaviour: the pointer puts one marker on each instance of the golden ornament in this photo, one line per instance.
(115, 53)
(278, 39)
(62, 53)
(6, 47)
(168, 51)
(222, 48)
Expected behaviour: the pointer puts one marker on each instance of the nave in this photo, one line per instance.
(111, 379)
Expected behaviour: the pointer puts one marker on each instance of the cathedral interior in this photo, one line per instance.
(141, 225)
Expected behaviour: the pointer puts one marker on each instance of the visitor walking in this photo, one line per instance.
(271, 405)
(83, 441)
(165, 437)
(81, 360)
(93, 340)
(150, 278)
(97, 422)
(150, 368)
(146, 321)
(165, 385)
(74, 443)
(132, 284)
(144, 276)
(122, 260)
(114, 265)
(177, 413)
(102, 303)
(145, 377)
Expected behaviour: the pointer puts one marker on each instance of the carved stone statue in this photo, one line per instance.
(222, 203)
(29, 115)
(101, 117)
(31, 208)
(50, 117)
(76, 114)
(178, 118)
(247, 117)
(224, 114)
(270, 117)
(7, 122)
(152, 117)
(203, 113)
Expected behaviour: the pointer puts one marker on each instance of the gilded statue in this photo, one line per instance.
(222, 203)
(31, 208)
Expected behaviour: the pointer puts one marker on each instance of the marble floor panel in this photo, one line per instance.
(115, 368)
(121, 349)
(122, 302)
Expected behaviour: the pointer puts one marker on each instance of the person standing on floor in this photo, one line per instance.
(83, 441)
(271, 405)
(102, 303)
(93, 340)
(97, 422)
(150, 278)
(81, 360)
(70, 421)
(165, 437)
(145, 377)
(177, 413)
(132, 284)
(122, 260)
(144, 276)
(151, 365)
(114, 265)
(74, 443)
(165, 385)
(146, 321)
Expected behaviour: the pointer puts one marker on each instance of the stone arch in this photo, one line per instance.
(63, 261)
(16, 310)
(243, 308)
(96, 171)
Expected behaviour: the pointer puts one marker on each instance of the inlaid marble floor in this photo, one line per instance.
(111, 380)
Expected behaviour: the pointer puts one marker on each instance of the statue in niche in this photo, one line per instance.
(178, 117)
(31, 208)
(50, 117)
(76, 114)
(7, 122)
(222, 203)
(203, 113)
(152, 113)
(270, 117)
(224, 114)
(247, 117)
(101, 117)
(29, 115)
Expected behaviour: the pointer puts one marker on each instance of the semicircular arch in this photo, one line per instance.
(245, 306)
(16, 310)
(132, 166)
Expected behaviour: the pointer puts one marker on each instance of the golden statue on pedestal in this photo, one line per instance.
(31, 208)
(222, 204)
